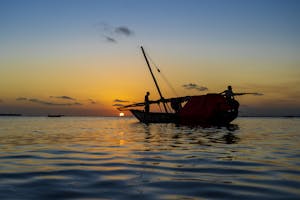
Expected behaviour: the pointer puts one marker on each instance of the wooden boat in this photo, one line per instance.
(155, 117)
(55, 115)
(209, 109)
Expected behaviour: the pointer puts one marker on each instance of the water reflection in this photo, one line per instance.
(230, 138)
(113, 158)
(176, 135)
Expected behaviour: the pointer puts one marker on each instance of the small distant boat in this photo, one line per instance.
(209, 109)
(10, 115)
(55, 115)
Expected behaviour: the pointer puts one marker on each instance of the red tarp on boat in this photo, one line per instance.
(203, 108)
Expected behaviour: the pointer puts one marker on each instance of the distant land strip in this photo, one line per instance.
(10, 115)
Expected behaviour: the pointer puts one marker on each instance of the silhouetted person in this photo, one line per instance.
(147, 102)
(228, 94)
(176, 104)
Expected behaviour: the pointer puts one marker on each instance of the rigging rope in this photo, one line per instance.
(162, 75)
(159, 107)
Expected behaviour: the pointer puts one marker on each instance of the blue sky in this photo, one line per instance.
(249, 44)
(228, 19)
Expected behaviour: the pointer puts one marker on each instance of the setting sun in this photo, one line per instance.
(121, 114)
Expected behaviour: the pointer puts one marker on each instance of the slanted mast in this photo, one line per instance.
(209, 109)
(154, 79)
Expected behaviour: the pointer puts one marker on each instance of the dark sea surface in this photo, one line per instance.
(119, 158)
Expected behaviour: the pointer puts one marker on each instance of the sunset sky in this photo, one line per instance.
(80, 57)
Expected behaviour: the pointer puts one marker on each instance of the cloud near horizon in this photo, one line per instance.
(120, 101)
(193, 86)
(53, 103)
(63, 97)
(21, 99)
(118, 104)
(50, 103)
(64, 101)
(92, 101)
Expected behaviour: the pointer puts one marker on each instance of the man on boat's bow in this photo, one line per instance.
(228, 94)
(147, 102)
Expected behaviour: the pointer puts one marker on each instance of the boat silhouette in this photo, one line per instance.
(208, 109)
(10, 115)
(55, 115)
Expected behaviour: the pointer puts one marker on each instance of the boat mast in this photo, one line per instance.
(157, 87)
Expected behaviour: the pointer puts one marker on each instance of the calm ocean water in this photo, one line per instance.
(118, 158)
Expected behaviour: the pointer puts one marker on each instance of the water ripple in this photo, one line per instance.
(110, 158)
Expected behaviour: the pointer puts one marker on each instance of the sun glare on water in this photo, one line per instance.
(121, 114)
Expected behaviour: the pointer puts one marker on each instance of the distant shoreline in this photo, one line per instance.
(284, 116)
(244, 116)
(10, 115)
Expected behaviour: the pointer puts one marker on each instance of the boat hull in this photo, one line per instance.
(155, 117)
(209, 109)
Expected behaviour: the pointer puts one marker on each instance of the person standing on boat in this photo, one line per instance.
(228, 94)
(147, 102)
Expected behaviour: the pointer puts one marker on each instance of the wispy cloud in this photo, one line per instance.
(123, 30)
(111, 33)
(64, 101)
(120, 101)
(21, 99)
(92, 101)
(118, 104)
(53, 103)
(193, 86)
(63, 97)
(110, 39)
